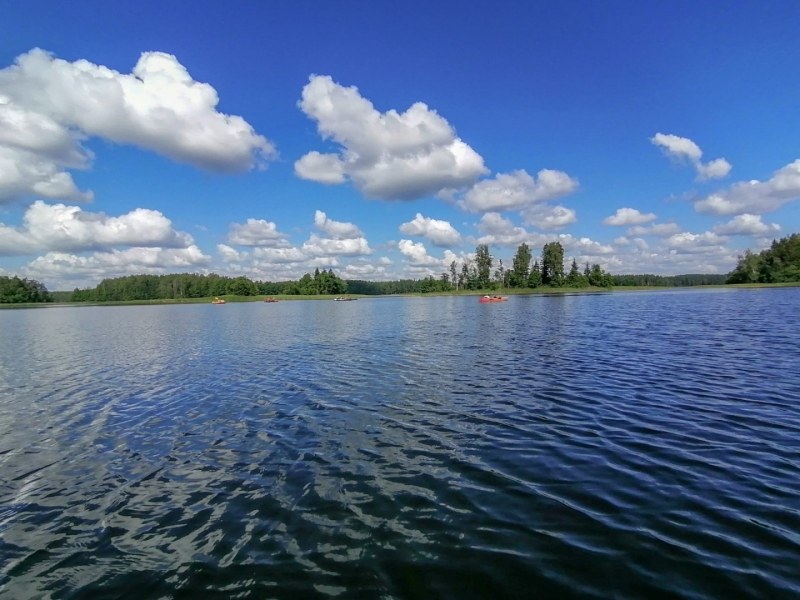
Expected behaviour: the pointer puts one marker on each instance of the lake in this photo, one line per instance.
(622, 445)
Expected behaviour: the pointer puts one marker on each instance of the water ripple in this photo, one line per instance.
(621, 445)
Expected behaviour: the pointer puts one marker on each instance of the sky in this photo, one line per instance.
(386, 140)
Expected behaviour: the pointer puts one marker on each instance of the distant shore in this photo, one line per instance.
(508, 292)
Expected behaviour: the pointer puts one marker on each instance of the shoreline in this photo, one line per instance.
(510, 292)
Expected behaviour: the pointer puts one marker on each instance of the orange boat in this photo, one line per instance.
(493, 299)
(271, 300)
(217, 301)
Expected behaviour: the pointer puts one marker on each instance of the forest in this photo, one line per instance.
(14, 290)
(780, 263)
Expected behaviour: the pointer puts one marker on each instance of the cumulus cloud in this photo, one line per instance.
(387, 156)
(583, 246)
(336, 230)
(274, 256)
(317, 246)
(517, 190)
(256, 232)
(696, 242)
(62, 270)
(746, 224)
(158, 106)
(49, 106)
(440, 233)
(24, 173)
(366, 271)
(57, 227)
(629, 216)
(684, 149)
(549, 218)
(500, 231)
(322, 168)
(755, 197)
(656, 230)
(229, 254)
(416, 254)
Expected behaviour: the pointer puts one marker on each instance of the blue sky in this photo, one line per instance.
(646, 138)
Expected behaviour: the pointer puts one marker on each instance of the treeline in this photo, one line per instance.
(668, 280)
(780, 263)
(14, 290)
(194, 285)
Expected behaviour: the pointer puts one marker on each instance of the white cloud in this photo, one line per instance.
(440, 233)
(387, 156)
(49, 106)
(549, 218)
(229, 254)
(416, 254)
(256, 232)
(322, 168)
(499, 231)
(517, 190)
(63, 271)
(746, 224)
(629, 216)
(755, 197)
(656, 229)
(696, 242)
(336, 229)
(318, 246)
(57, 227)
(681, 148)
(158, 106)
(582, 247)
(366, 271)
(715, 169)
(24, 173)
(280, 255)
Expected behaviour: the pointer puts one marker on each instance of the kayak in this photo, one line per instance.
(271, 300)
(493, 299)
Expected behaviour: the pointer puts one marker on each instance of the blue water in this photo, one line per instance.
(625, 445)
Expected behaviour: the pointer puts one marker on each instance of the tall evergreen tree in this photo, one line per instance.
(520, 267)
(535, 276)
(500, 274)
(483, 262)
(553, 264)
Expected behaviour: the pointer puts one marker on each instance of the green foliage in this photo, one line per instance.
(14, 290)
(553, 264)
(520, 267)
(780, 263)
(535, 276)
(648, 280)
(242, 286)
(574, 278)
(483, 263)
(191, 285)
